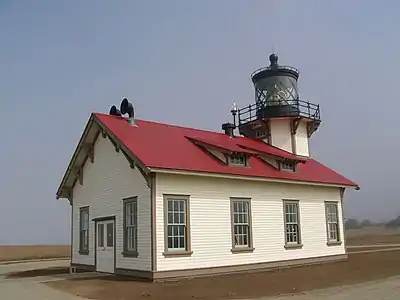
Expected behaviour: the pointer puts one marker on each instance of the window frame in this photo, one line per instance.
(299, 243)
(83, 210)
(187, 251)
(292, 169)
(249, 247)
(231, 157)
(338, 241)
(261, 134)
(129, 252)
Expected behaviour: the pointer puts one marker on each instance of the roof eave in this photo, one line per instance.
(60, 191)
(254, 178)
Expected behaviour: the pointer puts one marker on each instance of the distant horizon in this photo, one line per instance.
(69, 244)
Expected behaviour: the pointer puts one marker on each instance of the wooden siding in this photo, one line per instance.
(301, 140)
(281, 136)
(105, 183)
(210, 221)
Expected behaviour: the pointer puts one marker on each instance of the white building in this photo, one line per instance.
(160, 201)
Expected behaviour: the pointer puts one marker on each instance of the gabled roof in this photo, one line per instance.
(162, 147)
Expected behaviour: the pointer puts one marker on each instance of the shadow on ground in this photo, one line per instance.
(39, 272)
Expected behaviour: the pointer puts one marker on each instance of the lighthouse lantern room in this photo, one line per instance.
(278, 116)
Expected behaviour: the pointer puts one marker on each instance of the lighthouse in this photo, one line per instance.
(278, 116)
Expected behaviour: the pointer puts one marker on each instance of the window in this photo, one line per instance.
(84, 230)
(292, 223)
(332, 222)
(177, 233)
(237, 160)
(287, 166)
(100, 235)
(130, 227)
(241, 224)
(110, 234)
(260, 134)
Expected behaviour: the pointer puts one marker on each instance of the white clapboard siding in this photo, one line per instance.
(105, 183)
(210, 220)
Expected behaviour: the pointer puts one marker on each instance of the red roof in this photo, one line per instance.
(165, 146)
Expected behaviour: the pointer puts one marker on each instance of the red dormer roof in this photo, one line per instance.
(168, 147)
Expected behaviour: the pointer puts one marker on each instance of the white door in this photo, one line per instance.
(105, 246)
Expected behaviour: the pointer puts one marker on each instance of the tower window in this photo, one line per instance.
(287, 166)
(260, 134)
(237, 160)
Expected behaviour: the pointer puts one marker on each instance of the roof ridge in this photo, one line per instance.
(173, 125)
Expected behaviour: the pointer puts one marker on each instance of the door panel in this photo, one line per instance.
(105, 255)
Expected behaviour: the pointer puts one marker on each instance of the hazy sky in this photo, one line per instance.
(185, 62)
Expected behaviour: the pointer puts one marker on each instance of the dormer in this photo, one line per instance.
(235, 154)
(279, 159)
(229, 154)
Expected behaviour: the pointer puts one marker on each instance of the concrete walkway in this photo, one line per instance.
(18, 267)
(387, 289)
(374, 250)
(30, 288)
(374, 246)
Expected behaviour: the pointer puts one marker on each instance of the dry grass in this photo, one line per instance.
(372, 235)
(10, 253)
(364, 236)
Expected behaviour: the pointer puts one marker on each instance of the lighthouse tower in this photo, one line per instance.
(278, 116)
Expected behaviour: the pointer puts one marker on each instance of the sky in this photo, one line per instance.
(185, 62)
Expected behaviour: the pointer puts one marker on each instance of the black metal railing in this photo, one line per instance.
(271, 109)
(278, 67)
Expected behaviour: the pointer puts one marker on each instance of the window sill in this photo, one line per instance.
(129, 254)
(83, 252)
(177, 253)
(242, 250)
(334, 243)
(293, 246)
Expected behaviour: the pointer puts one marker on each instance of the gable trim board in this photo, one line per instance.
(94, 124)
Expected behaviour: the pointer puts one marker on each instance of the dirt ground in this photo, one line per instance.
(358, 268)
(8, 253)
